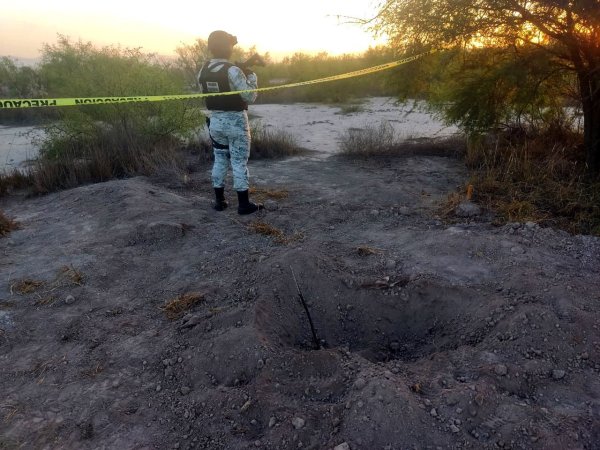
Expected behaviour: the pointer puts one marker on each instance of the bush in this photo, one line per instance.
(11, 181)
(82, 70)
(538, 177)
(382, 140)
(270, 143)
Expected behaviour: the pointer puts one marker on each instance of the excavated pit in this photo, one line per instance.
(409, 322)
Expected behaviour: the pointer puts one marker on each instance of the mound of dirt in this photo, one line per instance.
(431, 335)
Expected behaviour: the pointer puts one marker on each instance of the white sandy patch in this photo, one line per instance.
(16, 147)
(320, 127)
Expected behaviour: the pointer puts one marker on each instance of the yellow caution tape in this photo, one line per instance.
(14, 103)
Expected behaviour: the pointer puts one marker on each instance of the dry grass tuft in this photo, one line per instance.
(93, 371)
(7, 225)
(46, 301)
(265, 229)
(448, 207)
(175, 308)
(279, 236)
(262, 194)
(11, 181)
(368, 251)
(269, 143)
(26, 286)
(72, 274)
(382, 140)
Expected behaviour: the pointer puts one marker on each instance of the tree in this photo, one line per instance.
(568, 31)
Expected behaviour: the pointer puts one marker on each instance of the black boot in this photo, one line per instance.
(220, 202)
(245, 205)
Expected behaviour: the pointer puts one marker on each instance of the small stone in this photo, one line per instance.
(260, 364)
(185, 390)
(158, 388)
(395, 346)
(433, 412)
(272, 422)
(454, 428)
(360, 383)
(558, 374)
(246, 406)
(342, 446)
(374, 212)
(517, 250)
(467, 209)
(257, 443)
(585, 355)
(501, 370)
(298, 422)
(69, 300)
(390, 264)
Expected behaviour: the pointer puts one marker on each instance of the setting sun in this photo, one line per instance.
(273, 26)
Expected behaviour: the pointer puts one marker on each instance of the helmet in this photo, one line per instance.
(219, 40)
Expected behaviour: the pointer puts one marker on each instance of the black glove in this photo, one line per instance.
(254, 60)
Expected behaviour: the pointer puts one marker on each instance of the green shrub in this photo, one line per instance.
(82, 70)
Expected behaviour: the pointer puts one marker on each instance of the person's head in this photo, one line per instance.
(221, 43)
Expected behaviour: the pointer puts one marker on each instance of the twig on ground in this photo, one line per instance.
(316, 341)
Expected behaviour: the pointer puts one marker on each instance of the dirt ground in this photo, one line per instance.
(433, 335)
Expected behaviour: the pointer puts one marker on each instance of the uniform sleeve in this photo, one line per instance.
(240, 82)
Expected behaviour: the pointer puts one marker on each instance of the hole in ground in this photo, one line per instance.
(426, 317)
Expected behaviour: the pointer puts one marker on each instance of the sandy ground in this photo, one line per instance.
(433, 334)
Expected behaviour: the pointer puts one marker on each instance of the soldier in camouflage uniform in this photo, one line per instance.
(228, 124)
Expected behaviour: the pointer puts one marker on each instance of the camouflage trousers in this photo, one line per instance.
(230, 130)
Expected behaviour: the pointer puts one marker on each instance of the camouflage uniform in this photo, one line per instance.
(231, 128)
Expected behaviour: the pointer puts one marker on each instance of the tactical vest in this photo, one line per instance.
(218, 81)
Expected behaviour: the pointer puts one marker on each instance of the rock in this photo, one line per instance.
(375, 212)
(467, 209)
(558, 374)
(298, 423)
(433, 412)
(390, 264)
(185, 390)
(404, 211)
(501, 370)
(246, 406)
(272, 422)
(342, 446)
(517, 250)
(360, 383)
(69, 300)
(454, 428)
(271, 205)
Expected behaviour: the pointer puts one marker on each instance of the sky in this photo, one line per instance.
(276, 26)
